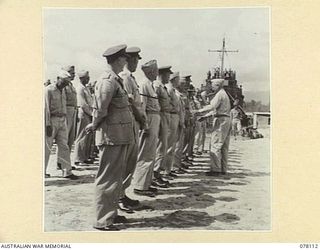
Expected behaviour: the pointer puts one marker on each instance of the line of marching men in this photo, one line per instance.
(146, 133)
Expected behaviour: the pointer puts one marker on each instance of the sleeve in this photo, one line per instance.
(127, 84)
(47, 115)
(82, 101)
(103, 97)
(144, 99)
(181, 114)
(214, 104)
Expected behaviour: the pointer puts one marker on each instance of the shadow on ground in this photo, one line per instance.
(61, 182)
(181, 219)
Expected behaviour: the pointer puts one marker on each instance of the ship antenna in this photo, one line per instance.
(222, 52)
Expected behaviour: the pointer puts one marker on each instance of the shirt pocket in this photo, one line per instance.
(119, 126)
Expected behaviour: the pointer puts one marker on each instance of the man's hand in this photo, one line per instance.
(202, 118)
(146, 131)
(89, 128)
(194, 112)
(49, 131)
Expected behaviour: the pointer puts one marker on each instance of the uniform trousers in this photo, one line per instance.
(162, 145)
(147, 151)
(236, 126)
(60, 135)
(178, 152)
(131, 160)
(108, 183)
(71, 123)
(83, 141)
(186, 138)
(219, 148)
(172, 141)
(200, 136)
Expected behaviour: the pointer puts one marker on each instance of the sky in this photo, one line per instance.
(177, 37)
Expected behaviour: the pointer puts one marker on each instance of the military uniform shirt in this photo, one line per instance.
(163, 96)
(220, 103)
(85, 100)
(181, 106)
(131, 86)
(71, 95)
(149, 104)
(55, 103)
(112, 117)
(174, 100)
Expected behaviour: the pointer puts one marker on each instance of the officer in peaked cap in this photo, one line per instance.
(166, 107)
(174, 75)
(193, 127)
(173, 134)
(134, 52)
(164, 69)
(130, 84)
(186, 78)
(186, 82)
(113, 123)
(115, 52)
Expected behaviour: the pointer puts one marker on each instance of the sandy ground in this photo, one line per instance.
(238, 201)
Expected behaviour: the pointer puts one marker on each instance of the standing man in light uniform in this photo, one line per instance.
(200, 134)
(186, 81)
(83, 141)
(149, 135)
(165, 109)
(56, 126)
(131, 86)
(220, 108)
(193, 120)
(71, 95)
(236, 119)
(177, 164)
(112, 121)
(174, 120)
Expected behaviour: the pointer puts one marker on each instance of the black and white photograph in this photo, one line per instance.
(157, 119)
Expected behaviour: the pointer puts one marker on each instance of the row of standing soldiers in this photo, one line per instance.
(145, 132)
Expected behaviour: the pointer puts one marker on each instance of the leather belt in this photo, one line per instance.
(221, 115)
(152, 112)
(59, 115)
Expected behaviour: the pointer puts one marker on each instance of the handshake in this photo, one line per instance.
(200, 117)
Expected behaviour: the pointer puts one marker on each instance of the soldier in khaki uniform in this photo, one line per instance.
(112, 121)
(56, 126)
(200, 136)
(236, 116)
(174, 121)
(188, 120)
(178, 153)
(194, 124)
(219, 108)
(149, 135)
(131, 86)
(71, 95)
(165, 109)
(83, 141)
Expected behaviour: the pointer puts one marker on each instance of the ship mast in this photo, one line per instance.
(222, 51)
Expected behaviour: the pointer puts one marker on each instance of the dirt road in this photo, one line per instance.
(238, 201)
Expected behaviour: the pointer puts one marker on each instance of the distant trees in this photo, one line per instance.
(256, 106)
